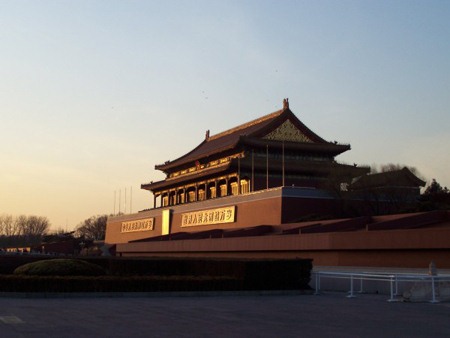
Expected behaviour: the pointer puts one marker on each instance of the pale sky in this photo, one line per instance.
(95, 93)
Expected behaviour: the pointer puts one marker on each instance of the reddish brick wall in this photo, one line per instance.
(413, 248)
(296, 208)
(260, 208)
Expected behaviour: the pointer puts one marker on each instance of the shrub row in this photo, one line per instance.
(256, 274)
(277, 274)
(70, 284)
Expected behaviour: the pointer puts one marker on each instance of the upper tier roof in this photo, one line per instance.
(257, 129)
(397, 178)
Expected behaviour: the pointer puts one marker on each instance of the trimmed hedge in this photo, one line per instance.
(135, 274)
(60, 267)
(70, 284)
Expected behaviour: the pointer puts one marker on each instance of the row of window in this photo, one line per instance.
(203, 193)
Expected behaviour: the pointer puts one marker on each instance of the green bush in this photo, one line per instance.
(60, 267)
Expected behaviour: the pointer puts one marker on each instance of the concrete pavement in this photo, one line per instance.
(222, 315)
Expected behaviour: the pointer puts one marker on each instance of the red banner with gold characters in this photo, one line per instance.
(137, 225)
(207, 217)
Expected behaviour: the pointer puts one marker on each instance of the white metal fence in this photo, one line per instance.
(357, 280)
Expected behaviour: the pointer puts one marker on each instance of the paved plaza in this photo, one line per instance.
(238, 315)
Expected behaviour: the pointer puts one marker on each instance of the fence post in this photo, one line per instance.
(351, 295)
(317, 283)
(361, 285)
(433, 291)
(396, 285)
(392, 288)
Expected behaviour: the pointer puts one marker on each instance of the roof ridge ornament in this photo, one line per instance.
(285, 103)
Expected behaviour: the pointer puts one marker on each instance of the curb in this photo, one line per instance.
(154, 294)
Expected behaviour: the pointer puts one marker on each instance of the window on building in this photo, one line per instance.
(223, 190)
(234, 188)
(245, 187)
(191, 196)
(212, 192)
(165, 201)
(201, 194)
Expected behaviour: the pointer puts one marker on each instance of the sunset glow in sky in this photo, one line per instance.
(95, 93)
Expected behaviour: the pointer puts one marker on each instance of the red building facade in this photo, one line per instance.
(247, 191)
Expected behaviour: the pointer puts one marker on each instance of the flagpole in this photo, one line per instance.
(253, 170)
(267, 166)
(239, 175)
(283, 161)
(120, 199)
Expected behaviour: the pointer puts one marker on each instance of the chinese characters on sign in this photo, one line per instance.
(138, 225)
(212, 216)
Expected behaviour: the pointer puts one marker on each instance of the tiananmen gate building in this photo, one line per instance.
(272, 187)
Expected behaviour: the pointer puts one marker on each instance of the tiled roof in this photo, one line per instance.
(249, 127)
(230, 138)
(222, 141)
(186, 178)
(403, 177)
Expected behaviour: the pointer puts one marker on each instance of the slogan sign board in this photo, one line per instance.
(211, 216)
(138, 225)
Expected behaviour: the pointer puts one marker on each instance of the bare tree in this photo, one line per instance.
(20, 225)
(93, 228)
(35, 226)
(4, 223)
(22, 230)
(8, 226)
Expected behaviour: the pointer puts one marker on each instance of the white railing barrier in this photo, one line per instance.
(393, 279)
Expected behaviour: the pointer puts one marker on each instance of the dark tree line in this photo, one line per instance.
(31, 231)
(435, 197)
(436, 189)
(22, 230)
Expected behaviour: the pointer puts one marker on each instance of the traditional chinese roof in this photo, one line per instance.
(396, 178)
(281, 125)
(196, 175)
